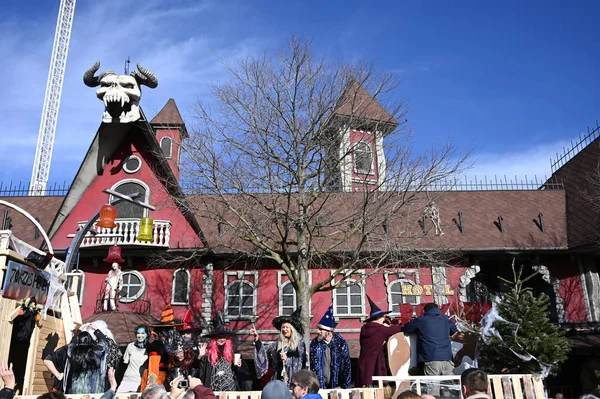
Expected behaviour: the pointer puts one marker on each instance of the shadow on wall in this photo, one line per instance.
(51, 345)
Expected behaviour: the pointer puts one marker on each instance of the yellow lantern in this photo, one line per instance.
(108, 214)
(145, 234)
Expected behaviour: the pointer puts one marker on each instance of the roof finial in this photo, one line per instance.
(127, 61)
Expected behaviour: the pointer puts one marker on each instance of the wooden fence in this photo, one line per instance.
(356, 393)
(502, 386)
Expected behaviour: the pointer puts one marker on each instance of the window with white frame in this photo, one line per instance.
(180, 294)
(287, 299)
(69, 282)
(166, 146)
(363, 158)
(240, 300)
(349, 301)
(133, 287)
(396, 295)
(127, 209)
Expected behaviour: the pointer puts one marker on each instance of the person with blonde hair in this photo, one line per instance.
(285, 356)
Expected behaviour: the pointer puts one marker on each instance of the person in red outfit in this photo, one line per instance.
(373, 334)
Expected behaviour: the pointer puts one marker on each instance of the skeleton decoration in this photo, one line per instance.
(114, 283)
(433, 212)
(121, 93)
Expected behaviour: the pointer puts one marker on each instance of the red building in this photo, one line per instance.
(550, 228)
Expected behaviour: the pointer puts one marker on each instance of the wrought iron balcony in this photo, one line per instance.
(126, 234)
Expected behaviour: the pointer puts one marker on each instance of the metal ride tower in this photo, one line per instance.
(56, 74)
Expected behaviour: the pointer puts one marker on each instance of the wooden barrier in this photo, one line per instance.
(502, 386)
(356, 393)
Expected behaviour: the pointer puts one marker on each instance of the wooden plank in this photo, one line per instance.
(368, 393)
(344, 394)
(379, 393)
(31, 360)
(528, 387)
(516, 383)
(497, 384)
(507, 388)
(355, 394)
(538, 387)
(418, 387)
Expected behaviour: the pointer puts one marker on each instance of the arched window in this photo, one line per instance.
(287, 299)
(396, 296)
(127, 209)
(240, 300)
(133, 287)
(68, 284)
(363, 158)
(166, 146)
(349, 301)
(180, 293)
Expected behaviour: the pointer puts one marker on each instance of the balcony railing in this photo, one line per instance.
(126, 234)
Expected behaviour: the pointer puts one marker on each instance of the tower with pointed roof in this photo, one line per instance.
(170, 132)
(358, 126)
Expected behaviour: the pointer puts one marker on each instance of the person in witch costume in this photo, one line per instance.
(135, 357)
(286, 355)
(329, 355)
(190, 332)
(26, 317)
(373, 335)
(180, 364)
(164, 337)
(219, 367)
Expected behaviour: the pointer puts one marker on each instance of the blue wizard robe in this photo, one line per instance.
(340, 362)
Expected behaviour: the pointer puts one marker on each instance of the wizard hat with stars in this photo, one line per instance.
(375, 313)
(327, 322)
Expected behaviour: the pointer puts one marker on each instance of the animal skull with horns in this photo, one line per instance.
(121, 93)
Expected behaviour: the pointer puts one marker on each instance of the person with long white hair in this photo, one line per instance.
(286, 355)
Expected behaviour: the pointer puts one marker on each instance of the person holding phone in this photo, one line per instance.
(218, 366)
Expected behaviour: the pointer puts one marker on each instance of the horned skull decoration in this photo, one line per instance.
(121, 93)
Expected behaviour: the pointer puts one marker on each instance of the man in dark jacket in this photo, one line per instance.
(433, 341)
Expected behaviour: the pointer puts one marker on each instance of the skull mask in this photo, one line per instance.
(121, 93)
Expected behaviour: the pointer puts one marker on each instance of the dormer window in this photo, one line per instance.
(166, 146)
(363, 158)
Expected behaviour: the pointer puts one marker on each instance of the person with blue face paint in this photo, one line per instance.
(135, 356)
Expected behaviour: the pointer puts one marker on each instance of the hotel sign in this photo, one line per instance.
(409, 289)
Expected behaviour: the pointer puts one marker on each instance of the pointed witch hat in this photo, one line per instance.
(218, 328)
(375, 313)
(327, 322)
(293, 319)
(188, 324)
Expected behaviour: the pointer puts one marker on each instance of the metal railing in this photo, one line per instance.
(23, 190)
(126, 233)
(575, 148)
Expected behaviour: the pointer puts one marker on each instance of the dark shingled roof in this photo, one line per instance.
(169, 116)
(42, 208)
(123, 324)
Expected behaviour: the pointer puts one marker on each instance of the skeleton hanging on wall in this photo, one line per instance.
(121, 94)
(433, 212)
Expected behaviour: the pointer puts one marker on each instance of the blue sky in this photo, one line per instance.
(513, 81)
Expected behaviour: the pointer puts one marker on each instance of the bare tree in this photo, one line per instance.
(269, 158)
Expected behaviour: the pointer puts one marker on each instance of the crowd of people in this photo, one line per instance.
(187, 364)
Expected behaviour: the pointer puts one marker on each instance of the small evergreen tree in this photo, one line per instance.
(526, 341)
